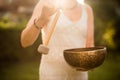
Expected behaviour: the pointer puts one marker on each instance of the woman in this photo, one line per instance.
(74, 29)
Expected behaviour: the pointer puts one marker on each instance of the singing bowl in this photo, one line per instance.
(85, 59)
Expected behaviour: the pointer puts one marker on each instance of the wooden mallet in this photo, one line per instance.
(43, 47)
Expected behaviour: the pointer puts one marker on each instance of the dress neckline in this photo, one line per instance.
(74, 22)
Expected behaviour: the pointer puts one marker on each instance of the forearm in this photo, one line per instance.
(31, 32)
(90, 29)
(29, 35)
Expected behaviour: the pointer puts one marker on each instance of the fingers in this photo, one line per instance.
(47, 12)
(52, 11)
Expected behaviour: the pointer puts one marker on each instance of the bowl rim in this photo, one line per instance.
(71, 50)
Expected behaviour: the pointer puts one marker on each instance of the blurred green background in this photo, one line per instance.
(17, 63)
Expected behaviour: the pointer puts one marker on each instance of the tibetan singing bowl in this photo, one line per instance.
(85, 59)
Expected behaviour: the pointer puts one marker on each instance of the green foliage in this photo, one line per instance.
(11, 50)
(21, 71)
(106, 14)
(6, 22)
(109, 70)
(10, 33)
(109, 34)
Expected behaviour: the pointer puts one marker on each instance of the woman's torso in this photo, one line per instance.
(66, 35)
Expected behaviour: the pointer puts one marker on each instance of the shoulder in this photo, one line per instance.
(89, 9)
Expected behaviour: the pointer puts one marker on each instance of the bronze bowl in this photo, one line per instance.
(85, 59)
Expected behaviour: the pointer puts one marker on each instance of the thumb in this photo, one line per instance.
(52, 11)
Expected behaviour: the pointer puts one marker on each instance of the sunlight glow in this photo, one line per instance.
(63, 3)
(81, 1)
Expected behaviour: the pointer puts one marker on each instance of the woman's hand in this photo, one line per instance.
(46, 13)
(41, 15)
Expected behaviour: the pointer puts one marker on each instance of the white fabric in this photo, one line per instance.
(66, 35)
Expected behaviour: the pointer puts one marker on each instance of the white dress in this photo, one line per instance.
(66, 35)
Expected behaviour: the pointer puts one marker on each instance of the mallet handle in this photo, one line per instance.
(52, 28)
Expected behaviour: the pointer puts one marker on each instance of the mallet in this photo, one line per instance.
(43, 47)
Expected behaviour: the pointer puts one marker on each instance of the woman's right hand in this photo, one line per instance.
(46, 13)
(49, 8)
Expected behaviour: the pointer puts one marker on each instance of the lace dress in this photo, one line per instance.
(66, 35)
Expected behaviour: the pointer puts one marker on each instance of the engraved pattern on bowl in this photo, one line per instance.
(85, 59)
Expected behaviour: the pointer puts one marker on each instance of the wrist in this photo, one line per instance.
(43, 20)
(36, 25)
